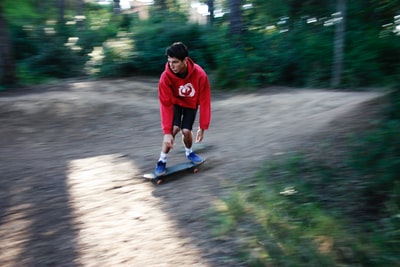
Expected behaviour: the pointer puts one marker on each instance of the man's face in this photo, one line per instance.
(176, 65)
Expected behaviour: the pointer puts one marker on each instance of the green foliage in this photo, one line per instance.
(300, 210)
(271, 228)
(372, 60)
(248, 63)
(45, 50)
(264, 58)
(377, 159)
(18, 12)
(388, 50)
(392, 109)
(278, 44)
(151, 40)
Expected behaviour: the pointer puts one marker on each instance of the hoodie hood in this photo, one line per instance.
(190, 70)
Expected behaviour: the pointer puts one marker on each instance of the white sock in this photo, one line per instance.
(163, 157)
(188, 151)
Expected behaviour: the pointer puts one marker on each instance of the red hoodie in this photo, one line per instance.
(189, 92)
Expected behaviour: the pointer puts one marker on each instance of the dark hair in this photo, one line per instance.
(177, 50)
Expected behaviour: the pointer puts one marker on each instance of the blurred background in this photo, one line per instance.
(337, 203)
(238, 42)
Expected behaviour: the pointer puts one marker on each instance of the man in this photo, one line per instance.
(182, 89)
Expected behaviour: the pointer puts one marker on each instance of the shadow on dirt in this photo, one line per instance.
(35, 215)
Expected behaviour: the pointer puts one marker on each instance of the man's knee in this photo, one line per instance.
(186, 132)
(175, 130)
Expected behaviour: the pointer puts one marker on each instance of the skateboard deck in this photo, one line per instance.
(171, 170)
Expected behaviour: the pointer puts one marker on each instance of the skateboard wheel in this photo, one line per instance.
(159, 181)
(196, 170)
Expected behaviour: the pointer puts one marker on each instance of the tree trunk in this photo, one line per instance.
(210, 4)
(160, 5)
(80, 12)
(80, 7)
(235, 17)
(339, 40)
(117, 7)
(7, 65)
(61, 12)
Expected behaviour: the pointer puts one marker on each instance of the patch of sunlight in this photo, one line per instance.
(92, 66)
(124, 4)
(311, 20)
(288, 191)
(397, 30)
(121, 46)
(324, 244)
(49, 31)
(270, 28)
(51, 22)
(118, 49)
(119, 222)
(149, 2)
(72, 43)
(14, 231)
(99, 21)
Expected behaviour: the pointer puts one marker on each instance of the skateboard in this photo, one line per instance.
(173, 169)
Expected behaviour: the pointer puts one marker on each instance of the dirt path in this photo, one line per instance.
(71, 158)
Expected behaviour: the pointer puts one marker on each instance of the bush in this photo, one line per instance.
(259, 57)
(377, 158)
(151, 39)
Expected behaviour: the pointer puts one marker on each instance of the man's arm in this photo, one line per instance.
(166, 106)
(205, 106)
(200, 135)
(168, 141)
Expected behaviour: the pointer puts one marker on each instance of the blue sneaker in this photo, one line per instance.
(194, 158)
(161, 168)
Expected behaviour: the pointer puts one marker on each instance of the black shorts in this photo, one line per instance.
(184, 117)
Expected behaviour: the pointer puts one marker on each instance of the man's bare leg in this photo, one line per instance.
(187, 138)
(167, 147)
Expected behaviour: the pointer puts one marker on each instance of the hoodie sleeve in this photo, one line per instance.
(166, 105)
(205, 104)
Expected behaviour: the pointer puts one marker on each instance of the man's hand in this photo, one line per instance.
(200, 135)
(168, 140)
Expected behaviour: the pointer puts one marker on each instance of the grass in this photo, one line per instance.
(288, 216)
(304, 210)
